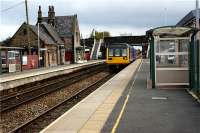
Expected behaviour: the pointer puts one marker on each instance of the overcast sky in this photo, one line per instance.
(116, 16)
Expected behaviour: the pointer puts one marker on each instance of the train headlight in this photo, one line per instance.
(125, 58)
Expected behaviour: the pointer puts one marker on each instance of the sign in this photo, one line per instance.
(12, 67)
(24, 60)
(43, 49)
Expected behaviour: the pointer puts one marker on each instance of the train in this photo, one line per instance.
(120, 55)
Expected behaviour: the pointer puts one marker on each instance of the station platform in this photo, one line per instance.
(91, 113)
(12, 80)
(125, 105)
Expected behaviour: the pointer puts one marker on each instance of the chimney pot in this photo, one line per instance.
(51, 16)
(49, 8)
(39, 15)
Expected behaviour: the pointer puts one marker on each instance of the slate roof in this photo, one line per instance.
(190, 16)
(43, 35)
(47, 33)
(63, 25)
(51, 30)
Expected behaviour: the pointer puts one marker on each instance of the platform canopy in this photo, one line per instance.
(171, 30)
(12, 48)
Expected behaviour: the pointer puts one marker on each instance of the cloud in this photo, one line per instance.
(7, 30)
(115, 30)
(125, 15)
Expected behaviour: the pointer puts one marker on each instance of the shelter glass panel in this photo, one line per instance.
(165, 46)
(172, 53)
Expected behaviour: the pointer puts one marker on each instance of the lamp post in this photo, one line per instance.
(197, 44)
(165, 16)
(103, 36)
(197, 48)
(27, 28)
(94, 41)
(74, 36)
(0, 62)
(197, 15)
(38, 44)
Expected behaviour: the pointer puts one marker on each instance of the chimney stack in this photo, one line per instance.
(39, 15)
(51, 16)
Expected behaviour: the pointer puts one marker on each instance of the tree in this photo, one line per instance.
(6, 42)
(99, 35)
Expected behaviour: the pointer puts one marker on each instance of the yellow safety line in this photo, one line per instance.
(124, 106)
(120, 115)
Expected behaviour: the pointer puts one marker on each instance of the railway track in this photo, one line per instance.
(11, 101)
(58, 109)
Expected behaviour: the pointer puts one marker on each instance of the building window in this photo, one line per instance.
(24, 32)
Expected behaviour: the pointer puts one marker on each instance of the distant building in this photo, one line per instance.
(188, 20)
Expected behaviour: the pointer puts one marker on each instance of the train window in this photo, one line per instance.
(117, 52)
(111, 52)
(124, 52)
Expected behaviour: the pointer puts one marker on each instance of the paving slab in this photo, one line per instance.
(159, 110)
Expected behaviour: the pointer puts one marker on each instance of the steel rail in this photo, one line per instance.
(57, 105)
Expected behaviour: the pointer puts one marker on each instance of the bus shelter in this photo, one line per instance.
(11, 59)
(172, 53)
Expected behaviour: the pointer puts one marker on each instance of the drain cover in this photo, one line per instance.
(159, 98)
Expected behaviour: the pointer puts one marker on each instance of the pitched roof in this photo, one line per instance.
(63, 25)
(42, 35)
(190, 16)
(47, 33)
(51, 30)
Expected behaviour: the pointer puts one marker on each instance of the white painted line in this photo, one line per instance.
(174, 68)
(159, 98)
(193, 95)
(160, 84)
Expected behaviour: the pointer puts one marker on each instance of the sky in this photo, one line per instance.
(119, 17)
